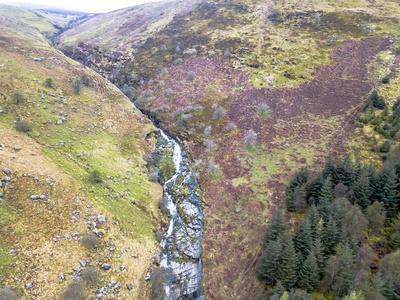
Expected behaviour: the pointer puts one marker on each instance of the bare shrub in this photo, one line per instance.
(128, 91)
(212, 168)
(17, 98)
(177, 112)
(219, 113)
(207, 131)
(227, 52)
(23, 126)
(8, 294)
(86, 80)
(159, 278)
(168, 92)
(160, 84)
(198, 107)
(230, 127)
(177, 49)
(149, 159)
(90, 275)
(262, 109)
(191, 75)
(249, 139)
(149, 92)
(150, 82)
(74, 291)
(340, 190)
(164, 71)
(153, 177)
(142, 102)
(159, 235)
(163, 48)
(90, 240)
(211, 53)
(178, 61)
(77, 87)
(210, 145)
(162, 205)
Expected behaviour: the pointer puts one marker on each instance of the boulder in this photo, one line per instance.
(106, 266)
(7, 179)
(83, 263)
(101, 219)
(35, 197)
(29, 285)
(129, 287)
(7, 172)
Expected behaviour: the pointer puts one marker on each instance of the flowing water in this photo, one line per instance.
(181, 244)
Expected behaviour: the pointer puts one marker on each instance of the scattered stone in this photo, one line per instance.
(16, 148)
(29, 286)
(73, 218)
(122, 268)
(134, 255)
(35, 197)
(1, 195)
(75, 236)
(148, 275)
(83, 263)
(42, 197)
(7, 179)
(61, 276)
(101, 219)
(106, 266)
(12, 252)
(16, 279)
(129, 287)
(238, 210)
(112, 249)
(7, 172)
(65, 236)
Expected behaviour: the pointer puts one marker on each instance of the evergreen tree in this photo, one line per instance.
(295, 188)
(362, 192)
(347, 264)
(276, 227)
(329, 168)
(288, 266)
(344, 172)
(309, 273)
(388, 289)
(313, 217)
(395, 241)
(327, 190)
(298, 295)
(302, 239)
(316, 187)
(377, 283)
(330, 236)
(392, 197)
(278, 290)
(269, 263)
(318, 251)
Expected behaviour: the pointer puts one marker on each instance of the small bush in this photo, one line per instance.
(49, 83)
(90, 276)
(177, 49)
(219, 113)
(178, 61)
(95, 177)
(86, 81)
(159, 235)
(153, 177)
(164, 71)
(212, 168)
(191, 75)
(160, 84)
(23, 126)
(17, 98)
(230, 127)
(385, 147)
(77, 87)
(7, 294)
(168, 92)
(141, 102)
(385, 80)
(249, 139)
(211, 53)
(262, 109)
(75, 291)
(90, 240)
(317, 19)
(149, 159)
(226, 53)
(163, 48)
(162, 205)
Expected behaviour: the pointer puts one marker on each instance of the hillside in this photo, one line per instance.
(255, 90)
(75, 198)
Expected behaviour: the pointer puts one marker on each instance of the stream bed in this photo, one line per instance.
(181, 245)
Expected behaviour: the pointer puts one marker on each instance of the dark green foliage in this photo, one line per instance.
(288, 266)
(49, 82)
(23, 126)
(377, 101)
(384, 147)
(346, 271)
(318, 251)
(302, 239)
(299, 295)
(95, 177)
(327, 190)
(166, 165)
(391, 194)
(385, 80)
(17, 98)
(278, 290)
(344, 172)
(74, 291)
(276, 227)
(309, 274)
(362, 192)
(295, 188)
(268, 267)
(86, 81)
(330, 236)
(77, 87)
(316, 187)
(376, 216)
(395, 241)
(313, 217)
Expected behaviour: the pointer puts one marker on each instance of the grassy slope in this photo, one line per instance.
(318, 87)
(100, 121)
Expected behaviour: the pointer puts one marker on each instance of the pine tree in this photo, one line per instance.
(330, 236)
(295, 188)
(347, 264)
(302, 239)
(276, 227)
(316, 187)
(388, 289)
(309, 274)
(327, 190)
(288, 266)
(392, 197)
(329, 168)
(362, 192)
(318, 251)
(269, 263)
(395, 241)
(278, 290)
(313, 218)
(298, 295)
